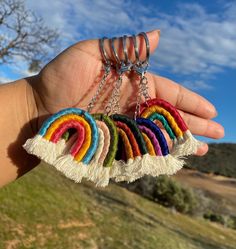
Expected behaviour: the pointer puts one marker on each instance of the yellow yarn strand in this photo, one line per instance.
(149, 144)
(127, 145)
(152, 109)
(88, 134)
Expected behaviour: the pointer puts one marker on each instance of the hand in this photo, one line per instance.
(71, 79)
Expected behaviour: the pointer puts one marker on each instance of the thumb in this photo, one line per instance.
(92, 46)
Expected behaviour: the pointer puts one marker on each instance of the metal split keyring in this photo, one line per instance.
(126, 64)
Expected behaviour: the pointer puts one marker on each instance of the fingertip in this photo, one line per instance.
(211, 111)
(215, 113)
(153, 36)
(202, 150)
(154, 32)
(220, 131)
(214, 130)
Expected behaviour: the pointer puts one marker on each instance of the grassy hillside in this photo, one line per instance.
(218, 193)
(221, 159)
(45, 210)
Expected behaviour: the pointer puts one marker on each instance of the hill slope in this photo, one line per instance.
(221, 160)
(220, 190)
(45, 210)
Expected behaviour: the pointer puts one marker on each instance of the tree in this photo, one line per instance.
(24, 35)
(170, 193)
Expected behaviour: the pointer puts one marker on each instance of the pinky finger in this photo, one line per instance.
(202, 150)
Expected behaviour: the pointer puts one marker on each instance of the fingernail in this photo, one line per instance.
(220, 131)
(155, 30)
(212, 111)
(202, 150)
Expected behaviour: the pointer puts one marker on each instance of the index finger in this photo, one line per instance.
(181, 97)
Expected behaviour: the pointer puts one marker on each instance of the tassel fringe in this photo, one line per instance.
(77, 171)
(44, 149)
(188, 146)
(147, 165)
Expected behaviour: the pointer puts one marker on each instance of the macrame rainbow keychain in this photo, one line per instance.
(110, 145)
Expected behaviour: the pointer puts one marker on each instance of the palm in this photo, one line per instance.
(72, 78)
(67, 80)
(72, 82)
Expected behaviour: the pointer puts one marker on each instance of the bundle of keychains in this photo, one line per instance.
(110, 145)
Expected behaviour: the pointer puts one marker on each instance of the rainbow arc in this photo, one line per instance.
(98, 147)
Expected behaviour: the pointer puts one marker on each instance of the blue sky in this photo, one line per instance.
(197, 46)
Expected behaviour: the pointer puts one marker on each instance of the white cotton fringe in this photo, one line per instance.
(187, 146)
(127, 171)
(147, 165)
(44, 149)
(98, 174)
(76, 171)
(95, 171)
(70, 168)
(56, 154)
(162, 165)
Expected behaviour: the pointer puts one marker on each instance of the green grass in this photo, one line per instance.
(45, 210)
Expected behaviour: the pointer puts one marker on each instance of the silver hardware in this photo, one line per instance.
(114, 50)
(127, 64)
(140, 67)
(122, 66)
(107, 70)
(147, 45)
(125, 48)
(135, 48)
(103, 51)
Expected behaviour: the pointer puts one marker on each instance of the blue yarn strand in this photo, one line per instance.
(95, 136)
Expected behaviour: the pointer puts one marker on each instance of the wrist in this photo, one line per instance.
(18, 115)
(32, 112)
(26, 108)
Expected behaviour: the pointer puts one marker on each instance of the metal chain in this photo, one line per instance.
(113, 105)
(107, 70)
(144, 87)
(141, 69)
(122, 67)
(138, 101)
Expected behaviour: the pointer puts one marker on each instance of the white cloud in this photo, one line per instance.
(193, 41)
(197, 84)
(77, 19)
(18, 69)
(197, 43)
(4, 78)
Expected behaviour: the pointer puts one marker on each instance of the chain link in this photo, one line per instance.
(113, 105)
(116, 100)
(144, 87)
(107, 69)
(141, 68)
(138, 101)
